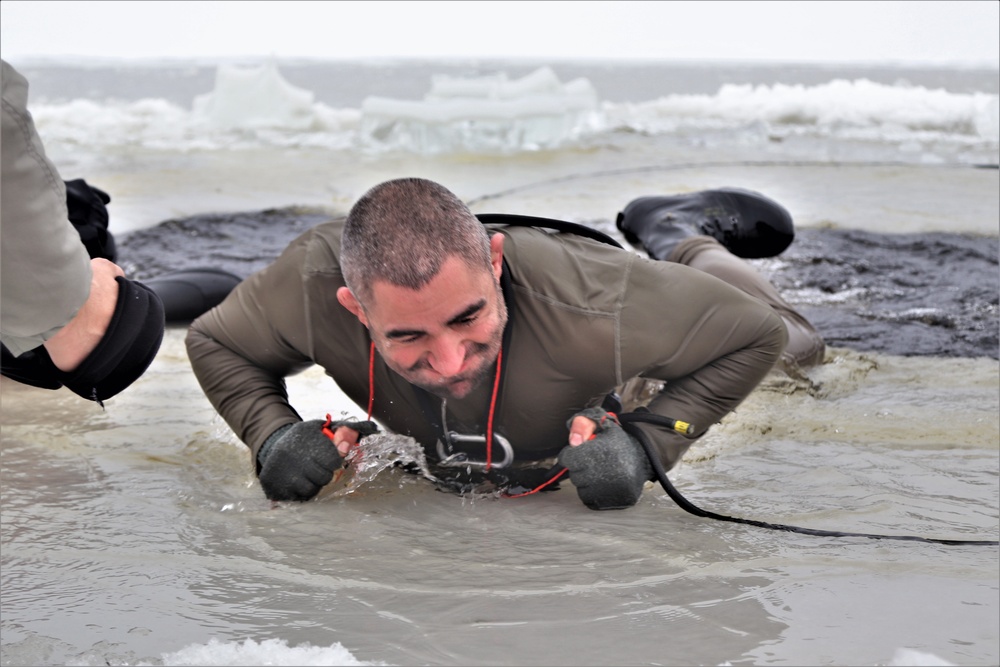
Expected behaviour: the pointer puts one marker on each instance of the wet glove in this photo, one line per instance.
(609, 470)
(298, 460)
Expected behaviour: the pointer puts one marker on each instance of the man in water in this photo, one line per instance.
(506, 336)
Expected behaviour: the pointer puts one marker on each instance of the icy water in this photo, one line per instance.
(138, 534)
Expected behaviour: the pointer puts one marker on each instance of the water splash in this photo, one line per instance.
(386, 451)
(376, 454)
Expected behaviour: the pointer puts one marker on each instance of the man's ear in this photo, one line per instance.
(496, 254)
(347, 300)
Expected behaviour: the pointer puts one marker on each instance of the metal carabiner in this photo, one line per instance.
(461, 459)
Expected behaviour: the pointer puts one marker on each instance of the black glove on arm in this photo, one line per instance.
(610, 470)
(297, 461)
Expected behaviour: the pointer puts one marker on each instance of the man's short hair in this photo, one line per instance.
(401, 231)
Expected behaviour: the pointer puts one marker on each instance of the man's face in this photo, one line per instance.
(444, 337)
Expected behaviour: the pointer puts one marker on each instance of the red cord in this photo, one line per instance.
(326, 428)
(537, 488)
(489, 420)
(371, 379)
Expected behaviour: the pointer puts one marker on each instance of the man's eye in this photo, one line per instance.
(402, 338)
(468, 321)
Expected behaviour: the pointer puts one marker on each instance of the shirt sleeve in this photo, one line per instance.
(708, 341)
(242, 349)
(44, 268)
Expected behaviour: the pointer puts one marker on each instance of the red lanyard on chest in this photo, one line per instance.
(493, 398)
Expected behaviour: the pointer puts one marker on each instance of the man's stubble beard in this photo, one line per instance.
(488, 351)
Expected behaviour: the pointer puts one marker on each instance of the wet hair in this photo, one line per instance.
(401, 231)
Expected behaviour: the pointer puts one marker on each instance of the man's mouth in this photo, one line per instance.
(455, 387)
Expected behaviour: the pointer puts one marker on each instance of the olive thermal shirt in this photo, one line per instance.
(584, 318)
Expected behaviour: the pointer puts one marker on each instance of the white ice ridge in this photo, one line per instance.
(838, 107)
(488, 113)
(255, 107)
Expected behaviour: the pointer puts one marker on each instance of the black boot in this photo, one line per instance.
(747, 223)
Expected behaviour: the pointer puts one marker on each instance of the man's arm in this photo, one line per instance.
(711, 343)
(240, 351)
(46, 271)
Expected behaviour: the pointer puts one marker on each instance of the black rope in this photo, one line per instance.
(628, 421)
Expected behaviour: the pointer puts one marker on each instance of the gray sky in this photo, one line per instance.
(946, 32)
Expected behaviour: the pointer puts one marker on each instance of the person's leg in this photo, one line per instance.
(805, 345)
(711, 230)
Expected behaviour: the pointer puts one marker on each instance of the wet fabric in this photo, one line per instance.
(45, 269)
(805, 344)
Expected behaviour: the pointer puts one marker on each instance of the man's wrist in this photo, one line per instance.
(265, 449)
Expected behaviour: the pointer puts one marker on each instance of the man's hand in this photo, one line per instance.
(607, 466)
(75, 341)
(344, 437)
(581, 429)
(297, 461)
(348, 433)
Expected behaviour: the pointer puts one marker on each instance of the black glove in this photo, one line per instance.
(89, 215)
(298, 460)
(610, 470)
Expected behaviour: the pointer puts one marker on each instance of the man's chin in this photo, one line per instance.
(456, 390)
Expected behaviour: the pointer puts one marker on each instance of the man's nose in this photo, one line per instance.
(448, 355)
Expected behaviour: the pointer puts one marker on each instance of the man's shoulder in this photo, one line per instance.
(318, 248)
(566, 270)
(328, 231)
(540, 239)
(546, 251)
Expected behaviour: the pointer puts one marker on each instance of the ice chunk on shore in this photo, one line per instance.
(482, 114)
(255, 97)
(267, 652)
(915, 658)
(988, 118)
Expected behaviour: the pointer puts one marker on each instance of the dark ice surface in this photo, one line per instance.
(927, 294)
(240, 243)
